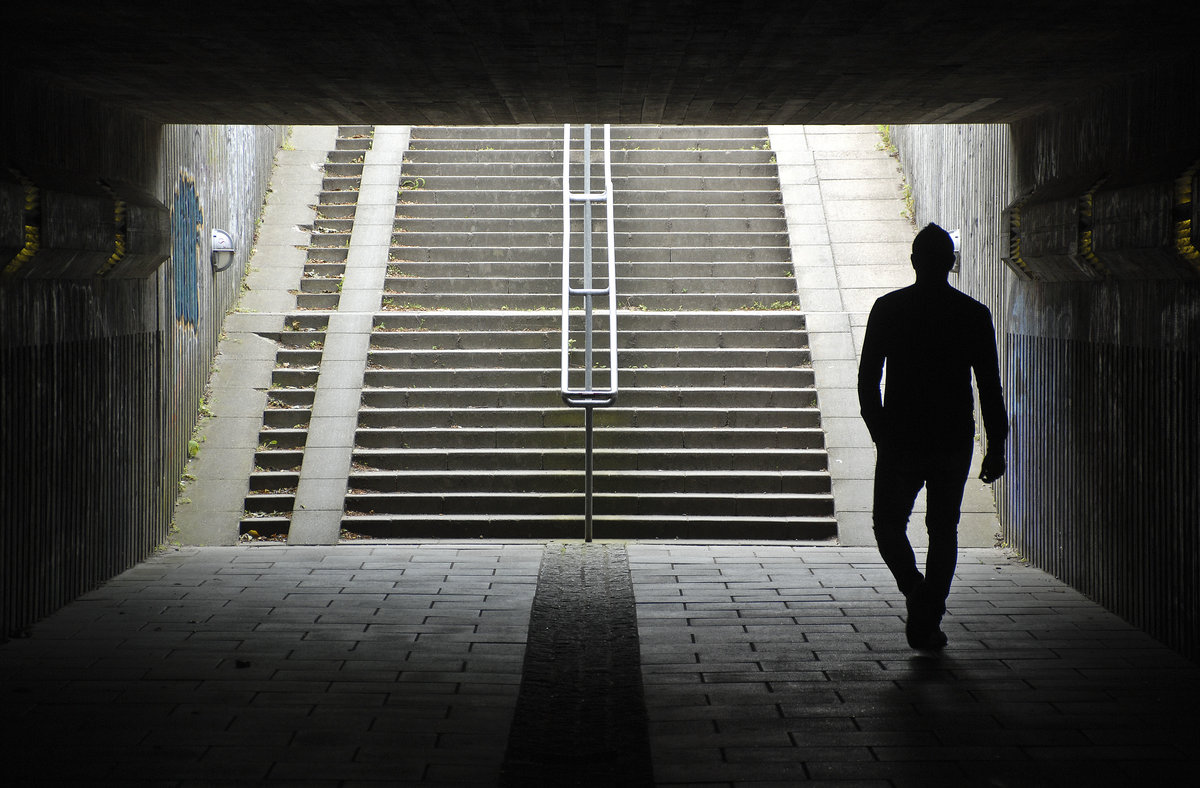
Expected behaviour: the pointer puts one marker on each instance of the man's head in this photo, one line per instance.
(932, 252)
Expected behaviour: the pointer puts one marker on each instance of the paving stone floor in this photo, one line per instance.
(398, 664)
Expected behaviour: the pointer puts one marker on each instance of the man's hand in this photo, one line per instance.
(992, 467)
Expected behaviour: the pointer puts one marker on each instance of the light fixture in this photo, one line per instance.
(223, 250)
(956, 238)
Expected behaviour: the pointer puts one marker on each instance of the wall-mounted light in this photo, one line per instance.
(223, 250)
(956, 237)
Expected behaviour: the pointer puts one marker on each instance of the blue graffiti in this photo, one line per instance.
(187, 219)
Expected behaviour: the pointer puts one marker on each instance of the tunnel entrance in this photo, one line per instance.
(459, 431)
(413, 387)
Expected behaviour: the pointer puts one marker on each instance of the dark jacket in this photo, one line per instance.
(931, 337)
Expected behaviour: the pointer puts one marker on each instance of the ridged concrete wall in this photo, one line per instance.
(1102, 377)
(101, 379)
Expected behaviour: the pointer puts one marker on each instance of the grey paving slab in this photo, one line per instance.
(806, 256)
(203, 698)
(869, 231)
(350, 322)
(326, 462)
(808, 234)
(814, 277)
(859, 300)
(842, 169)
(889, 277)
(282, 234)
(326, 495)
(881, 188)
(832, 344)
(886, 210)
(334, 402)
(341, 345)
(229, 432)
(821, 300)
(365, 300)
(329, 430)
(241, 373)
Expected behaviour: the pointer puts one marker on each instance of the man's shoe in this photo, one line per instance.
(935, 639)
(921, 627)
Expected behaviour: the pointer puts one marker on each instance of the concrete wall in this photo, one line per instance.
(102, 367)
(1099, 323)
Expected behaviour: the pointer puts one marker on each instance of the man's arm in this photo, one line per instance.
(870, 373)
(991, 400)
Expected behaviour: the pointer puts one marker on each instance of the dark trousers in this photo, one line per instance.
(900, 472)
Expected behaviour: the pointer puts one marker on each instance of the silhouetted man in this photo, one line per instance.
(931, 337)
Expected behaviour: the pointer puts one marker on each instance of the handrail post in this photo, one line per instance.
(588, 473)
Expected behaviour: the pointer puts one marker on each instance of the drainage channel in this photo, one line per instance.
(580, 717)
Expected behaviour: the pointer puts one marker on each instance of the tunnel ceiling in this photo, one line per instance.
(531, 61)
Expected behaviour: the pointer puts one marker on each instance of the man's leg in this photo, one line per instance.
(897, 482)
(944, 492)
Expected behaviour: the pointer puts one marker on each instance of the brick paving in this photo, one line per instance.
(775, 665)
(762, 665)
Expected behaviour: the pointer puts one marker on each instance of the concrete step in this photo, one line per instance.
(283, 418)
(559, 459)
(314, 269)
(727, 397)
(563, 417)
(626, 271)
(267, 504)
(630, 359)
(347, 169)
(325, 240)
(621, 155)
(336, 211)
(326, 255)
(628, 320)
(278, 459)
(452, 504)
(264, 482)
(640, 438)
(551, 253)
(551, 340)
(553, 197)
(549, 184)
(622, 209)
(781, 287)
(551, 302)
(626, 482)
(817, 530)
(317, 301)
(741, 377)
(335, 182)
(333, 225)
(550, 166)
(450, 236)
(552, 223)
(618, 132)
(346, 156)
(317, 284)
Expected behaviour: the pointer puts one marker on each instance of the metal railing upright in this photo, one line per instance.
(588, 396)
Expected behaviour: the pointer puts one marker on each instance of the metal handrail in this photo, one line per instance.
(588, 397)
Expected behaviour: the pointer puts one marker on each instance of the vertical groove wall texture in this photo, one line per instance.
(1102, 382)
(101, 381)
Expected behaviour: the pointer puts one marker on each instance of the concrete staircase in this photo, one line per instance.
(273, 482)
(716, 431)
